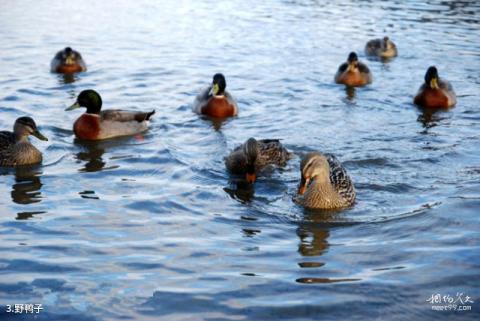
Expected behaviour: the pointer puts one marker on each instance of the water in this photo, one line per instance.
(152, 228)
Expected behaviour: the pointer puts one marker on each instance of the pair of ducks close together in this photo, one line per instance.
(324, 181)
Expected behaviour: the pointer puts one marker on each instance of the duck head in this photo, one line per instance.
(250, 149)
(89, 99)
(25, 126)
(431, 77)
(352, 62)
(218, 85)
(314, 166)
(69, 56)
(386, 43)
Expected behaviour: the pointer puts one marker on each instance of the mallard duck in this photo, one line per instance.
(215, 101)
(324, 183)
(15, 148)
(435, 92)
(96, 124)
(383, 48)
(353, 73)
(67, 61)
(252, 156)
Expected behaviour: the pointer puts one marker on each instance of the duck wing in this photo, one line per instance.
(7, 139)
(201, 99)
(340, 179)
(342, 68)
(272, 152)
(363, 68)
(125, 116)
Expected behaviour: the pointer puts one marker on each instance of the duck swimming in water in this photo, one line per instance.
(254, 155)
(324, 183)
(98, 124)
(215, 101)
(353, 73)
(435, 92)
(15, 148)
(67, 61)
(383, 48)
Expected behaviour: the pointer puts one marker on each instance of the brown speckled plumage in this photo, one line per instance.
(326, 184)
(15, 148)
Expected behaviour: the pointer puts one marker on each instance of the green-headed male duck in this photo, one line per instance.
(435, 92)
(15, 148)
(324, 183)
(353, 73)
(254, 155)
(98, 124)
(383, 48)
(67, 61)
(215, 101)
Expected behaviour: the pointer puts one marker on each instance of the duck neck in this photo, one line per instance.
(320, 193)
(21, 138)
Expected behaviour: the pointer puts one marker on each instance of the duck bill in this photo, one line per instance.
(39, 135)
(351, 67)
(434, 83)
(74, 106)
(70, 60)
(303, 186)
(215, 89)
(251, 178)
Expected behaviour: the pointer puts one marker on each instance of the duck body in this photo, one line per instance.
(383, 48)
(109, 124)
(97, 124)
(68, 61)
(254, 155)
(215, 101)
(353, 73)
(435, 92)
(325, 183)
(16, 149)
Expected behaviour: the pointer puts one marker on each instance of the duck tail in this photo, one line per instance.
(144, 116)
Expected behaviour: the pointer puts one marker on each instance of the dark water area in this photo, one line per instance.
(152, 227)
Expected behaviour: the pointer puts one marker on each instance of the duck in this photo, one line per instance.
(215, 101)
(68, 61)
(436, 92)
(353, 73)
(324, 183)
(97, 124)
(252, 156)
(15, 148)
(383, 48)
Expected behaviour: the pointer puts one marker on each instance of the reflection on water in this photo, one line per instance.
(26, 189)
(350, 92)
(91, 155)
(430, 117)
(28, 215)
(242, 191)
(313, 231)
(66, 79)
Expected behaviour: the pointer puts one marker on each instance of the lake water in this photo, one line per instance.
(153, 228)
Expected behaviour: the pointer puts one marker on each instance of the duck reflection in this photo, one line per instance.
(313, 232)
(242, 190)
(92, 156)
(350, 92)
(430, 117)
(217, 123)
(65, 79)
(26, 189)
